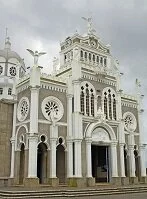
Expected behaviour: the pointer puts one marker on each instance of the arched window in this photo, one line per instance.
(87, 98)
(92, 102)
(82, 100)
(105, 105)
(110, 107)
(81, 53)
(10, 91)
(105, 62)
(109, 98)
(1, 91)
(114, 107)
(93, 57)
(101, 60)
(97, 59)
(1, 69)
(85, 55)
(89, 56)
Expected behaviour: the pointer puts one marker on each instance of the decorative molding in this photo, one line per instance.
(94, 78)
(129, 104)
(22, 123)
(52, 87)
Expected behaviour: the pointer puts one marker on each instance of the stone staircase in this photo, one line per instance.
(67, 193)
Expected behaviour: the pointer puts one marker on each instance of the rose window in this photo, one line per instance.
(23, 109)
(52, 108)
(130, 121)
(13, 71)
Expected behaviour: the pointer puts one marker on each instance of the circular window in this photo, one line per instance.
(23, 109)
(130, 121)
(52, 108)
(13, 71)
(1, 69)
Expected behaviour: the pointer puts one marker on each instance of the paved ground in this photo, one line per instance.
(122, 196)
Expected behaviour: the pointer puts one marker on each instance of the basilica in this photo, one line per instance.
(75, 126)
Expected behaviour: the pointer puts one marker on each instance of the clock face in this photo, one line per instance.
(93, 43)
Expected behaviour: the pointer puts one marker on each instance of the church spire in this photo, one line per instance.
(7, 41)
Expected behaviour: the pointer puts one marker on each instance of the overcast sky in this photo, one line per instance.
(42, 24)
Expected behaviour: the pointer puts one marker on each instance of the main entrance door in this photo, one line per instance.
(100, 166)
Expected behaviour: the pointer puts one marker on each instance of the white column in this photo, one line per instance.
(34, 110)
(13, 142)
(69, 115)
(32, 167)
(76, 85)
(114, 159)
(131, 161)
(53, 158)
(69, 158)
(12, 157)
(121, 158)
(142, 160)
(78, 166)
(88, 158)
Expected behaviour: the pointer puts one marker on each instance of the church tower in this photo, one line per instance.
(12, 67)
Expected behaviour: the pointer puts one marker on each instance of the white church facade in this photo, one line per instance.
(75, 126)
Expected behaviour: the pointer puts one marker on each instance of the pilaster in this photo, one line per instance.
(114, 159)
(88, 158)
(131, 161)
(121, 158)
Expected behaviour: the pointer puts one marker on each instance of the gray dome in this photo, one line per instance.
(7, 54)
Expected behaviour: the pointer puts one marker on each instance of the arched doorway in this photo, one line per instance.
(60, 162)
(42, 163)
(136, 161)
(103, 150)
(126, 161)
(22, 163)
(100, 155)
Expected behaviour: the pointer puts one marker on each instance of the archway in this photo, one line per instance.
(22, 163)
(136, 162)
(42, 163)
(60, 162)
(100, 154)
(126, 162)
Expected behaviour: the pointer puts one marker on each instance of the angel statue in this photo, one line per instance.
(89, 25)
(36, 55)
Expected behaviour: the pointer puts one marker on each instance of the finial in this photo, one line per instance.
(6, 35)
(7, 43)
(91, 30)
(36, 56)
(7, 40)
(138, 85)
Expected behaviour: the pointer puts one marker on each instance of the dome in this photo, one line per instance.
(7, 54)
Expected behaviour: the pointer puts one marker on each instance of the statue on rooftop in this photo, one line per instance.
(36, 56)
(91, 30)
